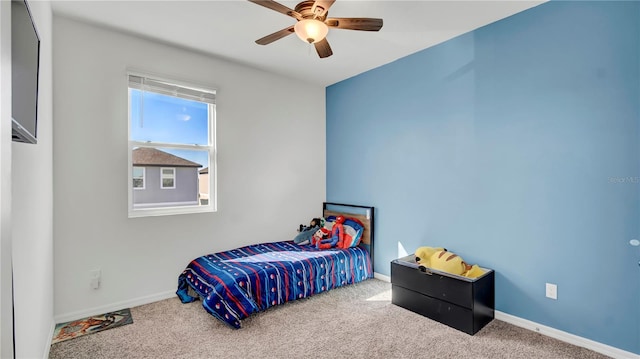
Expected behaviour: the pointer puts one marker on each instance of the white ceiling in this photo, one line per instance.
(228, 29)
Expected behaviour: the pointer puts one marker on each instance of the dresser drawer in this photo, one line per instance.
(444, 312)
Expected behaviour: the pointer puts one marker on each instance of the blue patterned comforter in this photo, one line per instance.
(237, 283)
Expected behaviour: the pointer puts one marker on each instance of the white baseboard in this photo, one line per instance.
(382, 277)
(62, 318)
(566, 337)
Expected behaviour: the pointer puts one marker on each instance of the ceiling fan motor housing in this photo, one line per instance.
(305, 9)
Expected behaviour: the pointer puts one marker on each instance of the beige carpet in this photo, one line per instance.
(357, 321)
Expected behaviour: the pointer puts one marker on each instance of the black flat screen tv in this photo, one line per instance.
(25, 64)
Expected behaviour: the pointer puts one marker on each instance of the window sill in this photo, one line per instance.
(169, 211)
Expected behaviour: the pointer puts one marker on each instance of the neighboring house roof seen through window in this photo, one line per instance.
(144, 156)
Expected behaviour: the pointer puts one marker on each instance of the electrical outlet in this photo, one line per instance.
(96, 276)
(552, 291)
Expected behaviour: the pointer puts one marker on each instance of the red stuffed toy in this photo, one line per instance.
(337, 236)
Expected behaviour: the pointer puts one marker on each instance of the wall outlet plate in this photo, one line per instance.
(95, 276)
(95, 283)
(552, 291)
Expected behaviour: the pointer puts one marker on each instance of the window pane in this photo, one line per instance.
(162, 118)
(167, 182)
(138, 172)
(138, 183)
(138, 177)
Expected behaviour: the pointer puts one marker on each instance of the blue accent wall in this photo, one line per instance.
(516, 146)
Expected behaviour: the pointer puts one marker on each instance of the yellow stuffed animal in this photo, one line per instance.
(448, 262)
(423, 255)
(474, 272)
(445, 261)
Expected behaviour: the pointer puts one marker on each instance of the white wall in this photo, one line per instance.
(32, 212)
(27, 203)
(271, 167)
(6, 311)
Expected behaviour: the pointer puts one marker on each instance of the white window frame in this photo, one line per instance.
(173, 177)
(210, 96)
(144, 178)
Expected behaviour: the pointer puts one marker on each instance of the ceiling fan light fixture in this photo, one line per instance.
(311, 31)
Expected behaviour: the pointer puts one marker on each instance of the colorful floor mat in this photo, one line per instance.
(90, 325)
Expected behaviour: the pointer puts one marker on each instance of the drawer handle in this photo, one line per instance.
(423, 269)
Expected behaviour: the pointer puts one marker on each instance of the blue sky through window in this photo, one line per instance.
(161, 118)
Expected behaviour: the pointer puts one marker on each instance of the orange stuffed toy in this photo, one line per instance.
(337, 236)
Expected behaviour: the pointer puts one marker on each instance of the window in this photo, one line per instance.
(138, 177)
(168, 179)
(171, 146)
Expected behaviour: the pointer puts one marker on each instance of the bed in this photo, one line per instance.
(235, 284)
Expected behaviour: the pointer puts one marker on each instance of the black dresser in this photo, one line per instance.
(466, 304)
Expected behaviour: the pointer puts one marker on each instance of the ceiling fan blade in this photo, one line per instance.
(320, 7)
(275, 36)
(323, 48)
(270, 4)
(355, 23)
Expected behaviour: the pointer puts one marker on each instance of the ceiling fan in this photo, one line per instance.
(313, 24)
